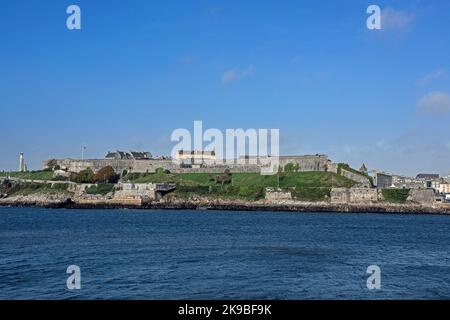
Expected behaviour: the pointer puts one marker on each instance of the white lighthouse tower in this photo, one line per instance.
(21, 163)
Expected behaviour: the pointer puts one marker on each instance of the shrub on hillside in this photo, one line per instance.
(251, 192)
(102, 189)
(224, 178)
(291, 167)
(395, 195)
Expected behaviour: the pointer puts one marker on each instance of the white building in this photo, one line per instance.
(187, 157)
(444, 188)
(381, 179)
(430, 180)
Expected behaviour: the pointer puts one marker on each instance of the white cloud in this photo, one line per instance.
(395, 19)
(235, 74)
(434, 103)
(436, 74)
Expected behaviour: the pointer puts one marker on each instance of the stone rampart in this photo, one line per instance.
(305, 163)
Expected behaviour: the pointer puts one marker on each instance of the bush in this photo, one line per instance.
(224, 178)
(60, 178)
(100, 189)
(251, 192)
(291, 167)
(52, 165)
(311, 194)
(60, 186)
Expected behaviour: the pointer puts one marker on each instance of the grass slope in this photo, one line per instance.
(30, 175)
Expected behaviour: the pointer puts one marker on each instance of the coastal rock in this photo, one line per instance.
(203, 203)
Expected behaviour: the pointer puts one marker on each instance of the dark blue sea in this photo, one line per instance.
(156, 254)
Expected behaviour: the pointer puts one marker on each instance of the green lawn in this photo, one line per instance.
(30, 175)
(288, 180)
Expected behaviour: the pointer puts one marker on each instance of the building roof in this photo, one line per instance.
(363, 168)
(123, 155)
(141, 155)
(427, 176)
(197, 152)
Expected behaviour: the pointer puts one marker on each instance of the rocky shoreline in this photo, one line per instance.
(229, 205)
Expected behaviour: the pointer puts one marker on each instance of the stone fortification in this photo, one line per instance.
(305, 163)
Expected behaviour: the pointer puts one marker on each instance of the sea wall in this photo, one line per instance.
(353, 195)
(423, 196)
(363, 195)
(235, 204)
(277, 196)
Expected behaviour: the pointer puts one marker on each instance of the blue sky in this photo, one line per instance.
(137, 70)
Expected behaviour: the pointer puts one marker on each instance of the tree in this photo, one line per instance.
(51, 164)
(84, 176)
(291, 167)
(106, 175)
(224, 178)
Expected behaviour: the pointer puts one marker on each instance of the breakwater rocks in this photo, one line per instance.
(61, 201)
(298, 206)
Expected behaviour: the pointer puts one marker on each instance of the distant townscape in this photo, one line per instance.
(137, 178)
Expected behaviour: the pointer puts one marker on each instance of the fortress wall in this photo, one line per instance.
(363, 195)
(422, 196)
(354, 195)
(276, 196)
(129, 194)
(152, 165)
(340, 195)
(332, 167)
(306, 163)
(356, 177)
(221, 169)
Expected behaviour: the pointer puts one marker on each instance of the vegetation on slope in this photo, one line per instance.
(308, 186)
(45, 175)
(28, 188)
(100, 189)
(395, 195)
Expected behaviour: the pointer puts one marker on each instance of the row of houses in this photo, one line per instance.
(440, 185)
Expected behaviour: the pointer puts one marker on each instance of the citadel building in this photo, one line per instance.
(188, 161)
